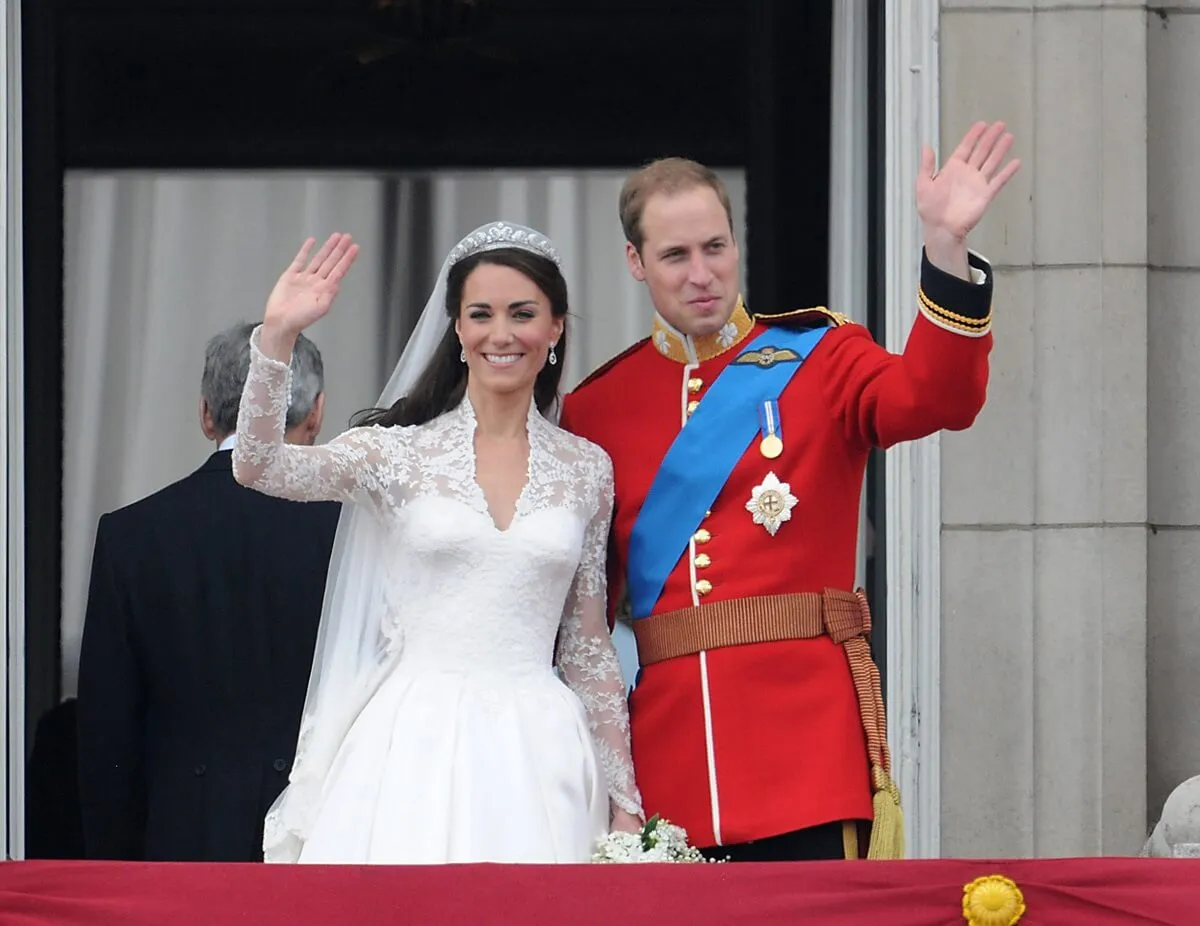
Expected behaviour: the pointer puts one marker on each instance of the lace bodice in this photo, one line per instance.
(460, 593)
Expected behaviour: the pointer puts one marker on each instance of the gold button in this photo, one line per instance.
(692, 406)
(702, 536)
(704, 586)
(695, 384)
(703, 561)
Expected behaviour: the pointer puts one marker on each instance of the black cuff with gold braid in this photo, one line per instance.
(956, 304)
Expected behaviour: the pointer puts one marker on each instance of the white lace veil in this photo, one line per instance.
(353, 654)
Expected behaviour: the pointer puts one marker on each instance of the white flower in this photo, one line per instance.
(658, 841)
(660, 341)
(727, 335)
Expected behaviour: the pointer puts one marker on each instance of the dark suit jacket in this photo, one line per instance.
(197, 647)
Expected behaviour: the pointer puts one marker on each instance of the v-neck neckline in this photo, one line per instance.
(470, 424)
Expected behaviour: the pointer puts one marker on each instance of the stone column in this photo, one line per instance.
(1044, 500)
(1173, 50)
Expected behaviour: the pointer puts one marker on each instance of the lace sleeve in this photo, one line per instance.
(587, 658)
(359, 461)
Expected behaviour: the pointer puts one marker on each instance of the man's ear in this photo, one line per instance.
(305, 433)
(634, 260)
(316, 417)
(207, 424)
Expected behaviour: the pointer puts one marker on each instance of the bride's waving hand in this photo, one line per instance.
(362, 461)
(304, 294)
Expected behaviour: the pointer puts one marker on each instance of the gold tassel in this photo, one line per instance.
(887, 830)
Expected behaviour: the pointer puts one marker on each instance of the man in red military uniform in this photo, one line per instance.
(739, 443)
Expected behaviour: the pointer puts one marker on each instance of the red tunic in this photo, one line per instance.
(746, 742)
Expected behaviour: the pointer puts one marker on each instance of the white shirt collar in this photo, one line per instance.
(229, 443)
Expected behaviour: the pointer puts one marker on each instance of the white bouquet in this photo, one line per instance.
(658, 841)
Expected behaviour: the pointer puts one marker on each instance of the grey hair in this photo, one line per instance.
(227, 363)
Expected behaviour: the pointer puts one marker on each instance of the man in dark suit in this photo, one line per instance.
(194, 667)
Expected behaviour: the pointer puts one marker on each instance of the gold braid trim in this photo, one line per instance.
(952, 321)
(816, 312)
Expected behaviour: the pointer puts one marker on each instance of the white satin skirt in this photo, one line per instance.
(444, 767)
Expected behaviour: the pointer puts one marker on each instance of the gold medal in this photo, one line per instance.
(771, 444)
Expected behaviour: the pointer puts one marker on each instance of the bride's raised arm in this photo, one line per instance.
(588, 660)
(362, 460)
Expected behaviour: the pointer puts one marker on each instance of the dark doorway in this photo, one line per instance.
(398, 85)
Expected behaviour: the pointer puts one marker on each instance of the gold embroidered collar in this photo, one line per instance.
(682, 348)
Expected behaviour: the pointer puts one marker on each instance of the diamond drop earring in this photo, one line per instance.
(553, 357)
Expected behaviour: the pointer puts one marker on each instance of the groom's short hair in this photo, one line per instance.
(665, 175)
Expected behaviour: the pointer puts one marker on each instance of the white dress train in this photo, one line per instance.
(495, 728)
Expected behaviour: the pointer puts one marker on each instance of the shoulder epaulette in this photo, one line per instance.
(808, 316)
(608, 365)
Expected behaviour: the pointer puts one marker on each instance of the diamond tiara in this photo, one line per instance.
(503, 235)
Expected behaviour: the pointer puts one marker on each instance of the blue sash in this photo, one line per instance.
(704, 453)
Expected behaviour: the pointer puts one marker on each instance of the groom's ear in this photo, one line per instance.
(634, 259)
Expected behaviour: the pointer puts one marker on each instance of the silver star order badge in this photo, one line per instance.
(771, 503)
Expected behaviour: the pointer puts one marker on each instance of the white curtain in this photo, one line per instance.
(157, 262)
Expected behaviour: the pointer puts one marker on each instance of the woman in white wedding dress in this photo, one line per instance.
(467, 582)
